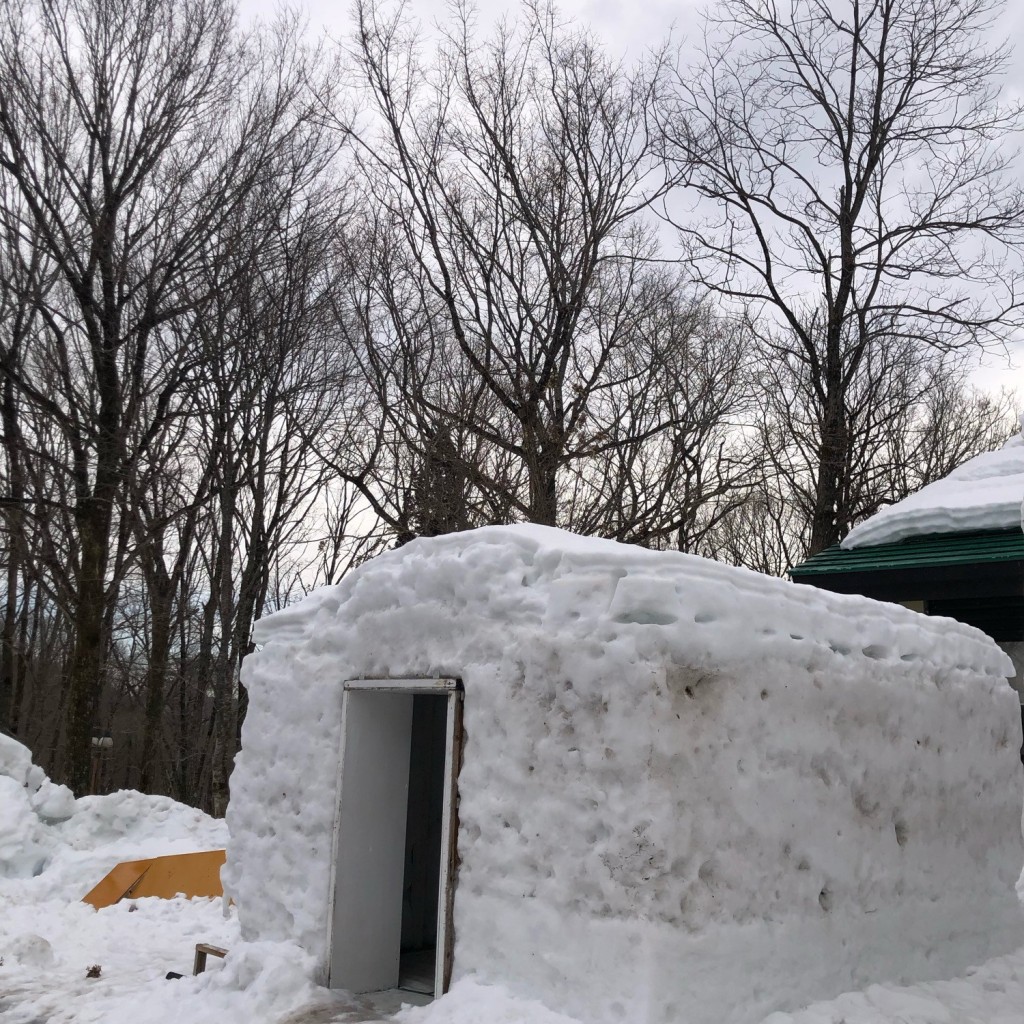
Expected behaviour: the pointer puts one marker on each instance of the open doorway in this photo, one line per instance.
(395, 836)
(424, 817)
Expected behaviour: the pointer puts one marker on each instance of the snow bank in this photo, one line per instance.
(29, 802)
(471, 1003)
(992, 993)
(53, 850)
(52, 844)
(985, 493)
(689, 792)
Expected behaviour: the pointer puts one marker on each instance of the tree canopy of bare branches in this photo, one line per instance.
(505, 183)
(851, 164)
(132, 134)
(267, 308)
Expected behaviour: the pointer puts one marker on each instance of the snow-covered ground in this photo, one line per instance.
(49, 939)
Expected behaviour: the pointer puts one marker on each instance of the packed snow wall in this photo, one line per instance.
(689, 792)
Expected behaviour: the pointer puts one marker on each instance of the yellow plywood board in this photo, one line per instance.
(117, 883)
(191, 874)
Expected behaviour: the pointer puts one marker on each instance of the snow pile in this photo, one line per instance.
(29, 802)
(50, 802)
(259, 984)
(990, 994)
(53, 850)
(50, 842)
(471, 1003)
(985, 493)
(689, 792)
(47, 946)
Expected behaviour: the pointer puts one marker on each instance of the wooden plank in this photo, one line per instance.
(445, 951)
(203, 950)
(190, 874)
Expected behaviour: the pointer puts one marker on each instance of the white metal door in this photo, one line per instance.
(370, 862)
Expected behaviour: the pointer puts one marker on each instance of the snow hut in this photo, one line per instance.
(953, 548)
(634, 785)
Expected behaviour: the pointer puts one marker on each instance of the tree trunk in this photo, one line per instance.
(9, 641)
(223, 682)
(160, 599)
(826, 526)
(85, 672)
(15, 545)
(542, 459)
(22, 646)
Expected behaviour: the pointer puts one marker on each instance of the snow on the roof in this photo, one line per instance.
(985, 493)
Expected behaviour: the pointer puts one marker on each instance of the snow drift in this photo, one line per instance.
(689, 792)
(53, 849)
(29, 801)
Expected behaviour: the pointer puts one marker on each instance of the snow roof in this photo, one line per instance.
(985, 493)
(537, 574)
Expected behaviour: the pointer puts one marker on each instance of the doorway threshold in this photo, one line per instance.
(338, 1007)
(416, 971)
(391, 1000)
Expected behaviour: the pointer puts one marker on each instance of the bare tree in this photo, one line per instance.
(505, 238)
(663, 454)
(912, 416)
(130, 133)
(850, 163)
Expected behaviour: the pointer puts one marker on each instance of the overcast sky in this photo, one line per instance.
(632, 25)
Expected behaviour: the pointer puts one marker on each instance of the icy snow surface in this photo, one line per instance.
(689, 792)
(985, 493)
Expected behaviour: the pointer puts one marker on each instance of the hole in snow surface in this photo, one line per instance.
(647, 617)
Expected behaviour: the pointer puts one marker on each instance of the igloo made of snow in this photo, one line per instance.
(687, 791)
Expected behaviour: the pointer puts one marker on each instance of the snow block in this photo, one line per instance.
(689, 792)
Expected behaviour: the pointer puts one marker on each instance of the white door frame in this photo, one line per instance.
(451, 688)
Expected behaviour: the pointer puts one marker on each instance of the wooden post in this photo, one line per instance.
(203, 950)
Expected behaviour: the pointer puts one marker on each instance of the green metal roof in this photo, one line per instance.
(913, 552)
